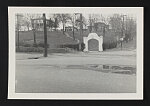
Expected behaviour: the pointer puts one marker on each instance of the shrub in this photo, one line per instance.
(27, 45)
(109, 45)
(35, 45)
(109, 42)
(29, 49)
(72, 46)
(82, 46)
(57, 50)
(41, 44)
(24, 44)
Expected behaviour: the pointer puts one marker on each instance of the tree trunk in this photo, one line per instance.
(34, 36)
(18, 38)
(63, 28)
(28, 27)
(73, 33)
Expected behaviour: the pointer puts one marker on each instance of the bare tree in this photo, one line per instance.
(78, 21)
(28, 20)
(91, 22)
(72, 19)
(115, 22)
(31, 23)
(130, 28)
(19, 21)
(123, 26)
(63, 18)
(55, 24)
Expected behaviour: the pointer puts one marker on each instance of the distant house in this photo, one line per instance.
(24, 28)
(70, 28)
(38, 25)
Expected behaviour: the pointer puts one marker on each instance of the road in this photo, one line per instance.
(36, 74)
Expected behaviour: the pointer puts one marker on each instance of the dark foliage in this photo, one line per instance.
(73, 46)
(109, 45)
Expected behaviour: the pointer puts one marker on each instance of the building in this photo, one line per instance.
(99, 27)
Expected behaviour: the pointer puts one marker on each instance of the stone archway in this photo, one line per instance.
(93, 45)
(93, 42)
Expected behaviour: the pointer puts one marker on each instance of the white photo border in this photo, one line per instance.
(76, 96)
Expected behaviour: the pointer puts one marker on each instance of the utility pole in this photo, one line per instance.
(18, 35)
(73, 27)
(81, 27)
(122, 31)
(34, 30)
(104, 30)
(34, 34)
(81, 31)
(90, 21)
(17, 31)
(45, 36)
(123, 26)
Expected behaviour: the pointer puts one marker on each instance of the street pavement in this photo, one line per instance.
(38, 74)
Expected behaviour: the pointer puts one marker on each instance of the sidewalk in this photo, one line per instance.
(110, 53)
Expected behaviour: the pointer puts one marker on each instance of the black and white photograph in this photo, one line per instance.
(75, 53)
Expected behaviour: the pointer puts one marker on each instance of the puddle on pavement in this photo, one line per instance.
(118, 69)
(33, 57)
